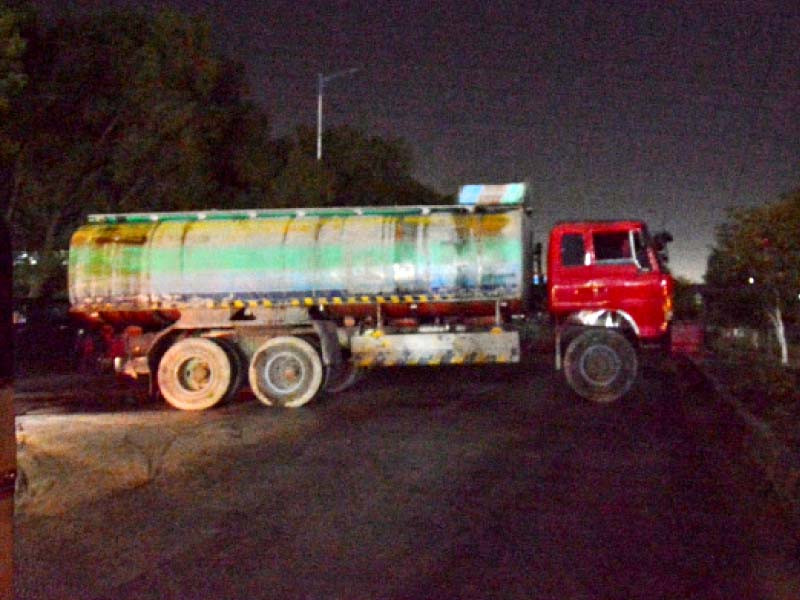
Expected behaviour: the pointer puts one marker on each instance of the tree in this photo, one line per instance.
(127, 112)
(356, 170)
(755, 264)
(12, 49)
(13, 24)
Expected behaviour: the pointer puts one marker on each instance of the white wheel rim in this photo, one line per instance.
(600, 365)
(284, 372)
(195, 374)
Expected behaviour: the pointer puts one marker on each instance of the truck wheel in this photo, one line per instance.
(344, 377)
(285, 371)
(194, 374)
(238, 363)
(600, 365)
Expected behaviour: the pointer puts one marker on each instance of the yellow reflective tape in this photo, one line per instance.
(502, 359)
(252, 303)
(408, 299)
(377, 333)
(308, 301)
(322, 301)
(457, 360)
(267, 304)
(394, 299)
(495, 330)
(437, 297)
(412, 361)
(423, 298)
(209, 304)
(380, 299)
(238, 304)
(337, 300)
(294, 302)
(436, 360)
(365, 298)
(366, 362)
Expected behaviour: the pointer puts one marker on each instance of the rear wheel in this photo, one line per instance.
(600, 365)
(194, 374)
(238, 367)
(285, 371)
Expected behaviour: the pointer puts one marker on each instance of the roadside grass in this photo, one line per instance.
(755, 377)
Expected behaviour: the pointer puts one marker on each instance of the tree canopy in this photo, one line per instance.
(13, 43)
(356, 170)
(754, 268)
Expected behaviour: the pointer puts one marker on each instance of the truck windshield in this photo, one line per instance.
(656, 252)
(622, 247)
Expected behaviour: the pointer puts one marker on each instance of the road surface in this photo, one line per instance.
(452, 483)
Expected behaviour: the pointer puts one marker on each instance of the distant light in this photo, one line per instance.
(751, 280)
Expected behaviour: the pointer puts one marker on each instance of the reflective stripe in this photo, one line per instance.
(154, 304)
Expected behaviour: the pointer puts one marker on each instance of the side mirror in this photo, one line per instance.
(660, 241)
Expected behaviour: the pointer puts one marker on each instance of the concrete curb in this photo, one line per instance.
(780, 465)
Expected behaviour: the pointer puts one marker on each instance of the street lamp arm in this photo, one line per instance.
(326, 78)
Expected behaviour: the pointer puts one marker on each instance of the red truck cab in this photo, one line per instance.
(609, 273)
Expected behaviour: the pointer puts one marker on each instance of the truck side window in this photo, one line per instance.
(612, 247)
(572, 250)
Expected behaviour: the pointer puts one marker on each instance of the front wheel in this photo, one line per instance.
(285, 371)
(600, 365)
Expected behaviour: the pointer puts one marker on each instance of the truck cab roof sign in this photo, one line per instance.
(485, 194)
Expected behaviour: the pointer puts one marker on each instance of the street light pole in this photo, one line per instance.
(321, 81)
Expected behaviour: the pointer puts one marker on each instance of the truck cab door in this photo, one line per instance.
(623, 273)
(570, 271)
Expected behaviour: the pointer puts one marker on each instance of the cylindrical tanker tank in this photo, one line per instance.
(430, 260)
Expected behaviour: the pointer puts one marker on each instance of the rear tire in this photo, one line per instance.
(238, 367)
(285, 371)
(600, 365)
(194, 374)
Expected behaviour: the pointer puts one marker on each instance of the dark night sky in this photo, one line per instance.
(672, 111)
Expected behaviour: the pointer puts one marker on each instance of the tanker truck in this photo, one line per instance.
(300, 301)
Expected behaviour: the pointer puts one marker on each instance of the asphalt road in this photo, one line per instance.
(452, 483)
